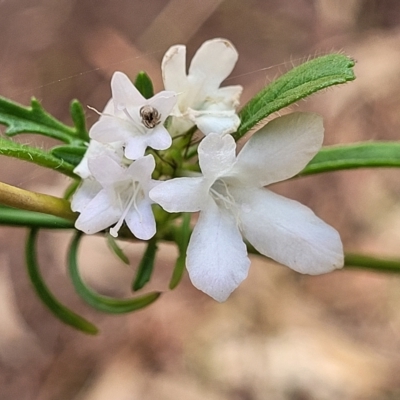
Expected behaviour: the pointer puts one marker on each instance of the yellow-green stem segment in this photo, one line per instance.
(32, 201)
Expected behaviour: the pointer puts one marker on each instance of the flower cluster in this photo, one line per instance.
(227, 189)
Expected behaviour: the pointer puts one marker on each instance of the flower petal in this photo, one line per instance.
(225, 98)
(163, 102)
(173, 68)
(85, 194)
(135, 147)
(216, 155)
(99, 214)
(213, 62)
(288, 231)
(106, 170)
(181, 194)
(159, 138)
(140, 220)
(124, 92)
(97, 149)
(280, 149)
(109, 129)
(220, 122)
(217, 259)
(142, 168)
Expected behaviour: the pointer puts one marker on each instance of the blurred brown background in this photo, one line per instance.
(281, 335)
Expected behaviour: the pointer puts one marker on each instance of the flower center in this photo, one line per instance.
(220, 193)
(127, 197)
(139, 127)
(224, 198)
(150, 116)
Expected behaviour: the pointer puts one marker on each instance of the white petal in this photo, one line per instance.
(124, 92)
(213, 62)
(109, 108)
(141, 221)
(181, 194)
(220, 122)
(97, 149)
(226, 98)
(106, 170)
(141, 169)
(159, 138)
(110, 129)
(216, 155)
(163, 102)
(280, 149)
(173, 68)
(135, 147)
(99, 214)
(288, 231)
(217, 259)
(85, 194)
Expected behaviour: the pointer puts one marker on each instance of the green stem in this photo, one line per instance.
(367, 262)
(32, 201)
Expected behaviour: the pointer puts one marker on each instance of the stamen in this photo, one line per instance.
(226, 198)
(228, 203)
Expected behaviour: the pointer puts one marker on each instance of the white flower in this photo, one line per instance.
(114, 194)
(233, 203)
(201, 101)
(133, 120)
(96, 149)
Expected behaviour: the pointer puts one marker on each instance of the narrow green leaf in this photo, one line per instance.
(298, 83)
(14, 217)
(68, 153)
(112, 243)
(358, 155)
(36, 156)
(71, 189)
(99, 302)
(78, 116)
(183, 236)
(33, 119)
(374, 263)
(144, 84)
(59, 310)
(146, 265)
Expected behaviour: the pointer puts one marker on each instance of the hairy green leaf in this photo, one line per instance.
(59, 310)
(36, 156)
(33, 119)
(99, 302)
(298, 83)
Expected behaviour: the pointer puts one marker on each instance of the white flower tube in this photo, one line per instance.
(233, 203)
